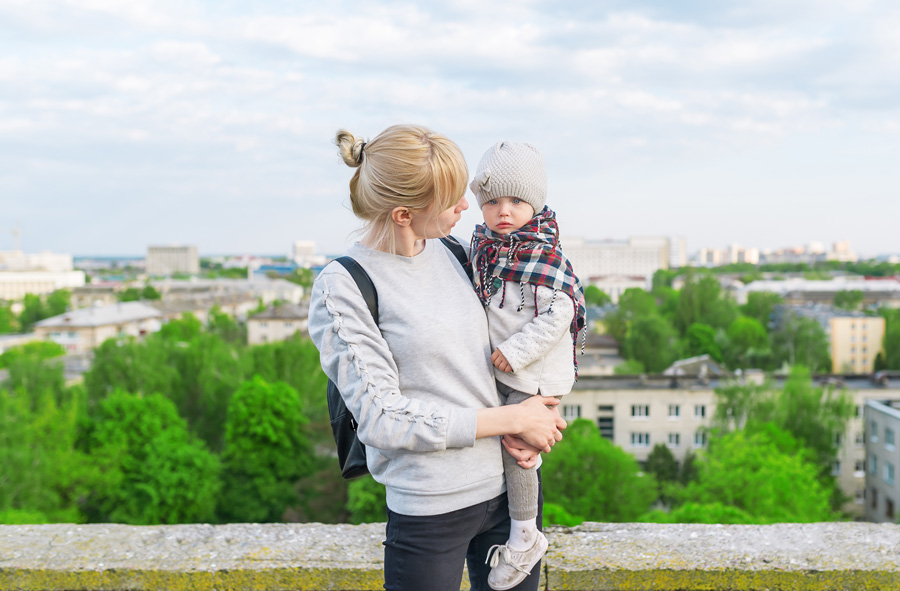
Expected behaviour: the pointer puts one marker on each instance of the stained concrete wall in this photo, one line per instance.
(592, 557)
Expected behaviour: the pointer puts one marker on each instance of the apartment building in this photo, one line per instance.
(15, 284)
(79, 331)
(640, 256)
(637, 412)
(277, 324)
(882, 420)
(167, 260)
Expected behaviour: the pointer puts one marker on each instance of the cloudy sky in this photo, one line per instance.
(766, 123)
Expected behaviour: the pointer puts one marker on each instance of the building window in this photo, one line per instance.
(674, 439)
(839, 439)
(640, 440)
(836, 468)
(889, 509)
(873, 433)
(571, 411)
(607, 428)
(874, 498)
(889, 473)
(889, 439)
(640, 410)
(699, 411)
(859, 468)
(873, 465)
(858, 411)
(859, 497)
(289, 325)
(700, 439)
(263, 324)
(674, 411)
(860, 439)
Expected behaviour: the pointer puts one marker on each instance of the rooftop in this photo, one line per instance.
(102, 315)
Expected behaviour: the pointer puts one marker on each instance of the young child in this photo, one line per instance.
(535, 309)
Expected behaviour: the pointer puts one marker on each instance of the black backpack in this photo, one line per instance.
(351, 451)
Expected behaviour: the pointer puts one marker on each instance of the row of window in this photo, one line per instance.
(887, 473)
(674, 439)
(889, 436)
(643, 411)
(888, 505)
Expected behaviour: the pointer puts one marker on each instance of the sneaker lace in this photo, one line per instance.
(501, 551)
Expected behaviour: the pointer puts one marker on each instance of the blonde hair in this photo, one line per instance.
(404, 166)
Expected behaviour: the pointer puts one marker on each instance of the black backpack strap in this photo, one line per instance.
(460, 253)
(364, 282)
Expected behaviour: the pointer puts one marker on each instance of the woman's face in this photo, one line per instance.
(429, 225)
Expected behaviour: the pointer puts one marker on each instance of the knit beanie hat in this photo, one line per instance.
(511, 169)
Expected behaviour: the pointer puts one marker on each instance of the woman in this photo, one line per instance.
(420, 382)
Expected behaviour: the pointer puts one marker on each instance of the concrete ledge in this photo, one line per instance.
(313, 557)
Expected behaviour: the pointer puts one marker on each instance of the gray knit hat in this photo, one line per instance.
(511, 169)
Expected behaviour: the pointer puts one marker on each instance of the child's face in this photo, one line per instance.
(506, 214)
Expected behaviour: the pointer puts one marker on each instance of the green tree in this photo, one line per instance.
(748, 342)
(851, 299)
(8, 321)
(760, 305)
(158, 472)
(130, 294)
(594, 296)
(223, 325)
(633, 304)
(663, 278)
(652, 341)
(366, 501)
(266, 452)
(700, 339)
(594, 479)
(31, 376)
(815, 417)
(629, 367)
(33, 311)
(891, 341)
(302, 277)
(702, 300)
(182, 330)
(40, 350)
(754, 473)
(664, 467)
(801, 341)
(150, 293)
(58, 302)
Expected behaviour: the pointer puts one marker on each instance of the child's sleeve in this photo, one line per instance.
(555, 313)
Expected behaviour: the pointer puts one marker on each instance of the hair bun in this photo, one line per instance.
(350, 147)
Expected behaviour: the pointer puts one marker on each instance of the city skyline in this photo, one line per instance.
(129, 124)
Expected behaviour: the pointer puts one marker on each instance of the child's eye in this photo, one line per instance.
(516, 200)
(492, 201)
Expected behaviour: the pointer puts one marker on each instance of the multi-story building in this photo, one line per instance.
(15, 284)
(260, 287)
(17, 260)
(882, 420)
(637, 412)
(304, 254)
(277, 324)
(797, 291)
(641, 256)
(167, 260)
(615, 285)
(80, 331)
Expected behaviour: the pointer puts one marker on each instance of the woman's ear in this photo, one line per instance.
(402, 216)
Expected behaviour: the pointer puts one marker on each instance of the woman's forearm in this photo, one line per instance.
(532, 420)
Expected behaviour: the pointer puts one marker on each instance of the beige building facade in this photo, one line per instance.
(15, 284)
(80, 331)
(855, 341)
(278, 324)
(166, 260)
(882, 420)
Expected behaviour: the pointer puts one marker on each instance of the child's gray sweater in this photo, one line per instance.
(415, 384)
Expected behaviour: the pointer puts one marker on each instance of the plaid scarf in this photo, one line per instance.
(531, 254)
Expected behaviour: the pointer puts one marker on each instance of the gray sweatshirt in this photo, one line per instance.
(415, 384)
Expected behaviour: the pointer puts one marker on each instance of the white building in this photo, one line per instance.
(641, 256)
(80, 331)
(17, 260)
(304, 254)
(15, 284)
(615, 285)
(259, 287)
(882, 427)
(277, 324)
(166, 260)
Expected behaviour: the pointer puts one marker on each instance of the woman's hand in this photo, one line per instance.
(525, 455)
(539, 422)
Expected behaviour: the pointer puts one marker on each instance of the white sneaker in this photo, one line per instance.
(510, 567)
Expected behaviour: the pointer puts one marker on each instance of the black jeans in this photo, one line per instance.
(427, 552)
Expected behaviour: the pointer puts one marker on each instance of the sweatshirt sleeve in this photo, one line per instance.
(355, 356)
(555, 314)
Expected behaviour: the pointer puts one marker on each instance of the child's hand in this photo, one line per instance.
(526, 455)
(500, 361)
